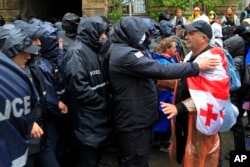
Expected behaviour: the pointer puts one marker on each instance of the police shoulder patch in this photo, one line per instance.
(139, 54)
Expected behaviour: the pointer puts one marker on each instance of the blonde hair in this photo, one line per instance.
(227, 9)
(164, 44)
(231, 17)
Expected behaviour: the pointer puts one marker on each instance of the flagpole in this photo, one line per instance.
(172, 149)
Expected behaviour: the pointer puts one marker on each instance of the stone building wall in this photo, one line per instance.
(9, 9)
(94, 7)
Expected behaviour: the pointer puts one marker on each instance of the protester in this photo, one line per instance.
(136, 99)
(217, 38)
(212, 16)
(195, 15)
(88, 91)
(243, 31)
(197, 141)
(19, 98)
(179, 19)
(166, 54)
(236, 47)
(245, 13)
(230, 18)
(181, 42)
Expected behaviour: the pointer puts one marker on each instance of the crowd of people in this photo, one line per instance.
(71, 89)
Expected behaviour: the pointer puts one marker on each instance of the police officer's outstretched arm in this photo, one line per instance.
(208, 63)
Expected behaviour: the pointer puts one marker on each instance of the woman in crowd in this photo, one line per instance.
(230, 18)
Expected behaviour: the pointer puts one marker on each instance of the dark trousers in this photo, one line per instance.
(31, 161)
(88, 156)
(238, 132)
(163, 137)
(58, 134)
(45, 158)
(135, 148)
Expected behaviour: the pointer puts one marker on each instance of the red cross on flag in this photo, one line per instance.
(209, 91)
(208, 114)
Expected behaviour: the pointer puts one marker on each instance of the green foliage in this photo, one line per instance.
(154, 8)
(115, 12)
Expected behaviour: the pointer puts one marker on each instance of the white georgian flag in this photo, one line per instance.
(209, 91)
